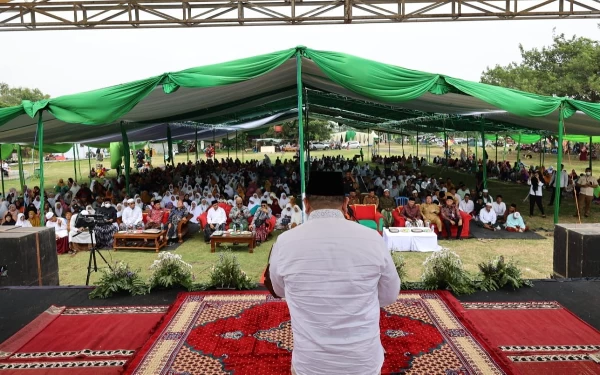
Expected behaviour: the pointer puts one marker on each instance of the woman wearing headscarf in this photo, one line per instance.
(58, 209)
(275, 208)
(195, 210)
(283, 200)
(34, 219)
(119, 210)
(535, 193)
(176, 215)
(12, 210)
(253, 203)
(286, 216)
(3, 208)
(203, 205)
(259, 223)
(21, 222)
(296, 216)
(36, 202)
(8, 220)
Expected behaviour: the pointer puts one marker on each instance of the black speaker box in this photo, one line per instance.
(28, 256)
(577, 250)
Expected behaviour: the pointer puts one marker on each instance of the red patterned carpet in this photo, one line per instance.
(250, 333)
(535, 337)
(79, 340)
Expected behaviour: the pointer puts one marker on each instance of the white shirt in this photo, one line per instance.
(60, 227)
(467, 207)
(539, 189)
(217, 216)
(335, 275)
(564, 179)
(499, 208)
(487, 217)
(132, 217)
(462, 193)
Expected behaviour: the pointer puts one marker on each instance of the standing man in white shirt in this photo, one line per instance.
(335, 275)
(215, 220)
(564, 180)
(132, 216)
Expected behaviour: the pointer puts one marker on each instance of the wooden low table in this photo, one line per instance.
(228, 238)
(121, 239)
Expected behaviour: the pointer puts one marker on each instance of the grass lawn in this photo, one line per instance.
(534, 256)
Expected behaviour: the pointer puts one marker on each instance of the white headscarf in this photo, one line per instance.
(37, 202)
(287, 211)
(58, 209)
(283, 200)
(296, 215)
(21, 222)
(203, 205)
(119, 210)
(253, 201)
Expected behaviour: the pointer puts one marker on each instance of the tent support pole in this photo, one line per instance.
(40, 132)
(196, 143)
(236, 145)
(519, 150)
(446, 146)
(541, 152)
(484, 159)
(559, 156)
(227, 145)
(214, 145)
(417, 144)
(300, 129)
(21, 173)
(389, 145)
(126, 155)
(368, 141)
(402, 135)
(75, 160)
(307, 130)
(590, 152)
(504, 153)
(169, 145)
(496, 148)
(2, 174)
(476, 154)
(79, 163)
(544, 152)
(468, 155)
(89, 165)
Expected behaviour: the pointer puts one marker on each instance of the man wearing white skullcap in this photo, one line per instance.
(60, 231)
(515, 223)
(132, 216)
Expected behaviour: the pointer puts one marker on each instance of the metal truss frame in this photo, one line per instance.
(111, 14)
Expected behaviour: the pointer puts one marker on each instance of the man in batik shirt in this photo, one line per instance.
(431, 212)
(386, 206)
(155, 216)
(239, 215)
(371, 198)
(412, 213)
(353, 198)
(451, 217)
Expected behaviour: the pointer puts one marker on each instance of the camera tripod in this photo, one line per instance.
(93, 252)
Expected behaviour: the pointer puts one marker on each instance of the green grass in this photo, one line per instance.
(533, 256)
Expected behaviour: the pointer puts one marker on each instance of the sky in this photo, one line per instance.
(67, 62)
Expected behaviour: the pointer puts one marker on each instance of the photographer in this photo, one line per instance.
(106, 230)
(586, 185)
(82, 241)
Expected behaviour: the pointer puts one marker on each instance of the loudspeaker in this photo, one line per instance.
(577, 250)
(28, 256)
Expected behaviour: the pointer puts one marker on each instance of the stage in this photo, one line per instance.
(262, 324)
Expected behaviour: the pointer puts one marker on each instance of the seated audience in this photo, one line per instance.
(466, 205)
(215, 220)
(259, 223)
(451, 217)
(515, 223)
(132, 217)
(60, 230)
(499, 208)
(412, 214)
(431, 212)
(487, 218)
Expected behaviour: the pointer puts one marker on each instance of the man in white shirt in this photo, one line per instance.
(499, 208)
(487, 217)
(466, 205)
(215, 220)
(58, 223)
(564, 180)
(132, 216)
(462, 190)
(335, 275)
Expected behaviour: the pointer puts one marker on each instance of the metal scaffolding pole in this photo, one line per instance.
(559, 156)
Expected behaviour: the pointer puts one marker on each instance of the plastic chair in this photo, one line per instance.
(401, 201)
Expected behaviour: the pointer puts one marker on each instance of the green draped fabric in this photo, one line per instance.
(372, 79)
(55, 148)
(590, 109)
(6, 150)
(7, 114)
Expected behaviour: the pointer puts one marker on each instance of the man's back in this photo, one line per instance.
(334, 274)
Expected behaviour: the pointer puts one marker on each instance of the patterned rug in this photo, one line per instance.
(79, 340)
(535, 337)
(250, 333)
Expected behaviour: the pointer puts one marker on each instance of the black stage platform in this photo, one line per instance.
(19, 306)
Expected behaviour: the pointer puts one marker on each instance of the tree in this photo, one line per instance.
(317, 130)
(12, 96)
(242, 142)
(569, 67)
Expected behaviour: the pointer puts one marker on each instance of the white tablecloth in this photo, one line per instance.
(411, 241)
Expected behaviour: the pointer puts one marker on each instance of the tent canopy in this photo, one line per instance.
(252, 92)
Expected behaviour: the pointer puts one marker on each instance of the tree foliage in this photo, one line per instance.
(319, 130)
(12, 96)
(568, 67)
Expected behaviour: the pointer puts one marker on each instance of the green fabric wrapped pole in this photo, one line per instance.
(484, 159)
(417, 144)
(89, 165)
(402, 135)
(559, 157)
(389, 144)
(590, 153)
(196, 143)
(40, 134)
(75, 161)
(519, 149)
(170, 145)
(504, 153)
(544, 152)
(300, 129)
(79, 163)
(21, 173)
(496, 148)
(236, 144)
(126, 157)
(476, 154)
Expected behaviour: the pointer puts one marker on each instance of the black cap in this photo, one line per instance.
(411, 199)
(327, 184)
(214, 201)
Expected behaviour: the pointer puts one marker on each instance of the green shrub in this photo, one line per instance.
(170, 270)
(400, 265)
(444, 270)
(496, 273)
(228, 274)
(121, 278)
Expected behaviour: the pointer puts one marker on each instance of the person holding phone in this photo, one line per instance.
(535, 193)
(586, 185)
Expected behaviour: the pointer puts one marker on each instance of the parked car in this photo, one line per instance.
(319, 146)
(351, 144)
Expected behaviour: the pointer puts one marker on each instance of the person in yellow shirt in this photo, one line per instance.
(431, 213)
